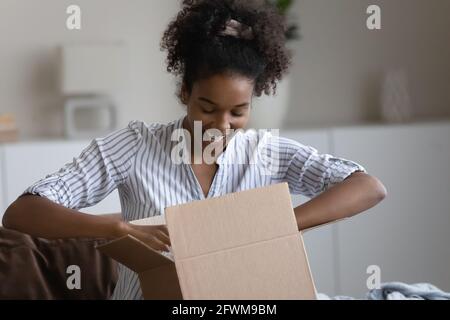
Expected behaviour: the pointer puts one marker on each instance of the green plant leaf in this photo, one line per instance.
(284, 5)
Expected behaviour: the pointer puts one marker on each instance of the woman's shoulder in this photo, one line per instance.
(154, 129)
(265, 136)
(271, 139)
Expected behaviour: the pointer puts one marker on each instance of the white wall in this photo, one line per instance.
(336, 76)
(339, 62)
(31, 31)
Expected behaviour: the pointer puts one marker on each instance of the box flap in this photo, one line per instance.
(151, 221)
(230, 221)
(134, 254)
(160, 283)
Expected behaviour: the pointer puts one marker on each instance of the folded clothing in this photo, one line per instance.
(403, 291)
(398, 291)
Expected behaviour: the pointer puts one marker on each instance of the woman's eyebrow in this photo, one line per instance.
(207, 100)
(213, 103)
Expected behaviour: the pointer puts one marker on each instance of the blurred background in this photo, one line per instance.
(378, 97)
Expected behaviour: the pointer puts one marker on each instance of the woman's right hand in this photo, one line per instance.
(155, 236)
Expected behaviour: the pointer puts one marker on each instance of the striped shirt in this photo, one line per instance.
(137, 162)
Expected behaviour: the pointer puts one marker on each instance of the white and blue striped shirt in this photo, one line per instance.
(137, 162)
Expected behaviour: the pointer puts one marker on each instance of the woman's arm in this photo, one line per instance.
(48, 208)
(41, 217)
(358, 193)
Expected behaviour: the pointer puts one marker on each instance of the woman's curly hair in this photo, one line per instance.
(196, 49)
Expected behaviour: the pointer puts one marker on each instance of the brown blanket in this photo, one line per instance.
(35, 268)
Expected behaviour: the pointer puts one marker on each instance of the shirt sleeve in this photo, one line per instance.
(94, 174)
(309, 172)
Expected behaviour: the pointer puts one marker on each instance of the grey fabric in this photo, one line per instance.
(403, 291)
(398, 291)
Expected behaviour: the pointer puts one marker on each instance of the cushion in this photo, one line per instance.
(36, 268)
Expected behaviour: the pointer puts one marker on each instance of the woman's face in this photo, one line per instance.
(220, 102)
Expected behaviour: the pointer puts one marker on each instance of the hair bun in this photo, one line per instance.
(234, 28)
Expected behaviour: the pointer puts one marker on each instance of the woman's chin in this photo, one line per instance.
(218, 143)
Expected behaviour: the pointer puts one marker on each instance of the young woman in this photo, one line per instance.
(225, 53)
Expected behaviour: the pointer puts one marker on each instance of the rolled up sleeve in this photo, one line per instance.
(309, 172)
(94, 174)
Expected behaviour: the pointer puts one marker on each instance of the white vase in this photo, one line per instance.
(395, 97)
(270, 112)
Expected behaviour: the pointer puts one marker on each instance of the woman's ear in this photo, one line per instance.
(184, 95)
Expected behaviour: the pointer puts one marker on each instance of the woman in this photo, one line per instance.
(225, 53)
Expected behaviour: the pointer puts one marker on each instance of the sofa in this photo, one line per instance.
(69, 269)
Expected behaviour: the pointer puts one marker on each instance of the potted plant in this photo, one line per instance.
(284, 6)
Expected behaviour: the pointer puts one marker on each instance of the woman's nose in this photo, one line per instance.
(223, 124)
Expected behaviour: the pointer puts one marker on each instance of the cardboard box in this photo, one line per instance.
(244, 245)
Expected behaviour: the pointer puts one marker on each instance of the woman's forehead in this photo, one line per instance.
(224, 86)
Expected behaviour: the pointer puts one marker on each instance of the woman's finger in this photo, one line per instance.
(148, 237)
(157, 244)
(163, 228)
(163, 237)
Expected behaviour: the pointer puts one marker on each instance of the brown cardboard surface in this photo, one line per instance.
(233, 220)
(244, 245)
(161, 283)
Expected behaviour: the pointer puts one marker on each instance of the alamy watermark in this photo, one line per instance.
(73, 281)
(73, 21)
(261, 148)
(374, 20)
(374, 279)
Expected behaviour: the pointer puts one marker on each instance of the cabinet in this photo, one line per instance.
(25, 163)
(407, 235)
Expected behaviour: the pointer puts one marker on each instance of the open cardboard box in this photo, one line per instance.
(244, 245)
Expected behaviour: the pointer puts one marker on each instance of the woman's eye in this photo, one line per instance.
(207, 110)
(236, 114)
